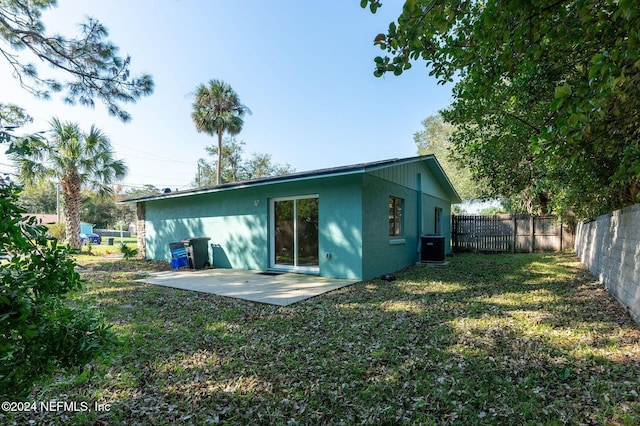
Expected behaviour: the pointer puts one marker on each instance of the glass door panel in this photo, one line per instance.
(307, 232)
(284, 232)
(294, 241)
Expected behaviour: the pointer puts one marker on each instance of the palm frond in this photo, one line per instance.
(217, 107)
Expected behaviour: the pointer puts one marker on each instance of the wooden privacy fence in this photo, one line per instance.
(511, 233)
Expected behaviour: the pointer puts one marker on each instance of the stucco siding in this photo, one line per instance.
(405, 175)
(430, 204)
(381, 253)
(353, 218)
(339, 221)
(237, 223)
(422, 194)
(341, 228)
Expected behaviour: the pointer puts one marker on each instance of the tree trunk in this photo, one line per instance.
(71, 188)
(219, 170)
(544, 203)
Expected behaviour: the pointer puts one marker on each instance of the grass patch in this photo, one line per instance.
(104, 250)
(491, 339)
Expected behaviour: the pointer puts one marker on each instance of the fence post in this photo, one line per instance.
(514, 233)
(454, 231)
(532, 223)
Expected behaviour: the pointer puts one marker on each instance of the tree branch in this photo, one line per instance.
(91, 59)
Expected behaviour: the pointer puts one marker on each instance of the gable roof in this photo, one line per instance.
(431, 161)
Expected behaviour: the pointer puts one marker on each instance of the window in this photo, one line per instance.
(395, 216)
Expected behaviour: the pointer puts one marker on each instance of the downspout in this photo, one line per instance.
(419, 208)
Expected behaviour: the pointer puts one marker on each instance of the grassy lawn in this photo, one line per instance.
(490, 339)
(105, 249)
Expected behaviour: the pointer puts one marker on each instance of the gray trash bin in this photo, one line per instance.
(197, 252)
(173, 246)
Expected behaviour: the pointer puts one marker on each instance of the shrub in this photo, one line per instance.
(128, 252)
(39, 328)
(58, 230)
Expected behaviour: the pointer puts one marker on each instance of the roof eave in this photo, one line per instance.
(238, 185)
(299, 176)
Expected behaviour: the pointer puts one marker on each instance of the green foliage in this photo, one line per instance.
(76, 159)
(39, 330)
(140, 192)
(492, 210)
(525, 339)
(98, 209)
(13, 116)
(39, 198)
(435, 138)
(546, 94)
(57, 230)
(216, 110)
(128, 252)
(128, 212)
(89, 246)
(90, 59)
(235, 167)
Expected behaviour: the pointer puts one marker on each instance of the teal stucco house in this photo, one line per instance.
(355, 222)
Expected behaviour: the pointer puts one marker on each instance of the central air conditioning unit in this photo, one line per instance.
(432, 248)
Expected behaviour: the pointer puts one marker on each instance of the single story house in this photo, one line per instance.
(86, 228)
(353, 222)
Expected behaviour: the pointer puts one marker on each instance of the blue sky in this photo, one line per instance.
(305, 69)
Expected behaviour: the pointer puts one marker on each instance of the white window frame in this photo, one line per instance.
(399, 236)
(272, 235)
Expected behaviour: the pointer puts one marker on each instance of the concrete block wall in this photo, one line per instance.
(610, 247)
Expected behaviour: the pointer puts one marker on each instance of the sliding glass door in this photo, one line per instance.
(294, 233)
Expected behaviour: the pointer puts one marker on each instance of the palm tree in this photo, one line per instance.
(217, 109)
(75, 159)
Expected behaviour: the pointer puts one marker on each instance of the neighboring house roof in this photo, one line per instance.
(50, 218)
(431, 160)
(43, 218)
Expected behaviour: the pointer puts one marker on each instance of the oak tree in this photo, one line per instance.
(235, 166)
(546, 94)
(435, 138)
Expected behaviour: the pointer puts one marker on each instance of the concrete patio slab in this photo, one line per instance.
(280, 289)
